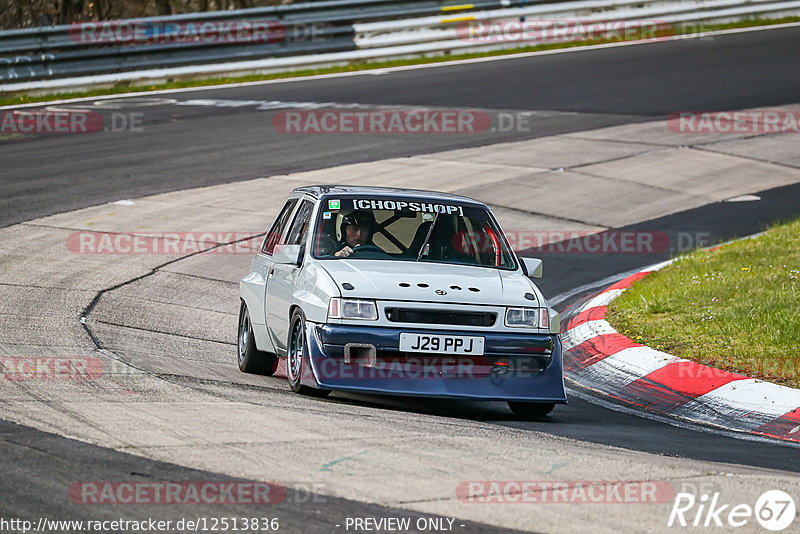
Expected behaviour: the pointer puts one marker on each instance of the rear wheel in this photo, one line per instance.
(297, 357)
(531, 409)
(252, 360)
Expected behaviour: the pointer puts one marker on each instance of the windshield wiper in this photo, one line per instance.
(427, 237)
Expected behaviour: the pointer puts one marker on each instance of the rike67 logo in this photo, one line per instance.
(774, 510)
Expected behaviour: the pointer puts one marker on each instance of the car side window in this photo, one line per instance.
(299, 228)
(275, 232)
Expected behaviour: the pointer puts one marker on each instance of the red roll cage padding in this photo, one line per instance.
(317, 249)
(496, 245)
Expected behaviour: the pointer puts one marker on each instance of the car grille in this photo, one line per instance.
(411, 315)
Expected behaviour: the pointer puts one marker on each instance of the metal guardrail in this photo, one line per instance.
(345, 31)
(45, 39)
(429, 31)
(59, 51)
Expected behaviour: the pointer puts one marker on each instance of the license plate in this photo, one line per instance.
(441, 344)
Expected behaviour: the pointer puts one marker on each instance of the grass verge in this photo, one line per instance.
(734, 308)
(127, 87)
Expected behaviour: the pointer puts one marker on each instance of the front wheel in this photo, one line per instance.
(297, 360)
(531, 409)
(252, 360)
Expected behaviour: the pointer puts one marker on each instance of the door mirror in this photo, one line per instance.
(287, 254)
(533, 266)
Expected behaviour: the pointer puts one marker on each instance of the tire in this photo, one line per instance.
(531, 409)
(297, 357)
(252, 360)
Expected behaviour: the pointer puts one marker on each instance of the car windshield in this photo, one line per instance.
(409, 229)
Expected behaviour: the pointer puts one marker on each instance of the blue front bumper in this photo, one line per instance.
(521, 367)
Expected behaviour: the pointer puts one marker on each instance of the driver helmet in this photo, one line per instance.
(357, 218)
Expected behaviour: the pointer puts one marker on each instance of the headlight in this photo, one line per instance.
(527, 317)
(340, 308)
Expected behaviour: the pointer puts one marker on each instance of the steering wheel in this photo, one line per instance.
(368, 247)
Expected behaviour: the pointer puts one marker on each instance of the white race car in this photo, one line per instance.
(400, 292)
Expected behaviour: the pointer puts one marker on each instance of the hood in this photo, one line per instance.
(381, 280)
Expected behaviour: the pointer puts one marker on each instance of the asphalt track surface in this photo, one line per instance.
(28, 490)
(190, 146)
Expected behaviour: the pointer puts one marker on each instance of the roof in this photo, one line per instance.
(320, 190)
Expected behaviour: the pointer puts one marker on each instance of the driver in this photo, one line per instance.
(357, 229)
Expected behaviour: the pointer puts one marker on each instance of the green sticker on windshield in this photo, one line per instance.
(333, 204)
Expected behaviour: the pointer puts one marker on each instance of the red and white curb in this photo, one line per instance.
(600, 358)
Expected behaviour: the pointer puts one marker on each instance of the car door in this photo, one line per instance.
(254, 285)
(280, 283)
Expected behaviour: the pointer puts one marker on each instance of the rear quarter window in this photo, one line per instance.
(276, 230)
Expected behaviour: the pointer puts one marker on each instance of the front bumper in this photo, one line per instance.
(522, 367)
